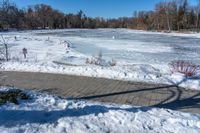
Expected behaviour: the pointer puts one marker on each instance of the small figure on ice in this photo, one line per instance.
(113, 37)
(24, 50)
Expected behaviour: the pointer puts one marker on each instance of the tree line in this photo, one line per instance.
(168, 15)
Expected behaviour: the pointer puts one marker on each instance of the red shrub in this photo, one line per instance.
(188, 69)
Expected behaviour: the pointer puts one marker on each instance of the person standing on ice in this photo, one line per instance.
(24, 50)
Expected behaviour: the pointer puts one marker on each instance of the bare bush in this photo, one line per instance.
(189, 69)
(88, 61)
(92, 60)
(100, 61)
(113, 62)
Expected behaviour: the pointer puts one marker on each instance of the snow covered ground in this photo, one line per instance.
(44, 113)
(141, 56)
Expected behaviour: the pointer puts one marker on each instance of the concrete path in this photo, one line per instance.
(106, 90)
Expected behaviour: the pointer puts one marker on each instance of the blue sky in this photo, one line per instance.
(94, 8)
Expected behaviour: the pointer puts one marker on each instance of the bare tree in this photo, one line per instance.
(167, 11)
(168, 21)
(168, 15)
(198, 15)
(5, 48)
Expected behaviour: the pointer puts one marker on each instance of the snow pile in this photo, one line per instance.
(45, 113)
(138, 60)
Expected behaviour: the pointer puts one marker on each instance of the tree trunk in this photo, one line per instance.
(6, 48)
(198, 16)
(168, 23)
(197, 23)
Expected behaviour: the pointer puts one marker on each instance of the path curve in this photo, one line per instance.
(107, 90)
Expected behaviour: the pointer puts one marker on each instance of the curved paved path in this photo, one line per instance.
(106, 90)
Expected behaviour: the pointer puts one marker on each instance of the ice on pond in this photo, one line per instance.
(134, 46)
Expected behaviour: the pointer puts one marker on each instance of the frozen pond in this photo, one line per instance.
(148, 53)
(131, 45)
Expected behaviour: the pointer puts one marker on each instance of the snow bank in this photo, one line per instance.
(45, 113)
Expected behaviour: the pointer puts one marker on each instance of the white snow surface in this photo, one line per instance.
(137, 59)
(45, 113)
